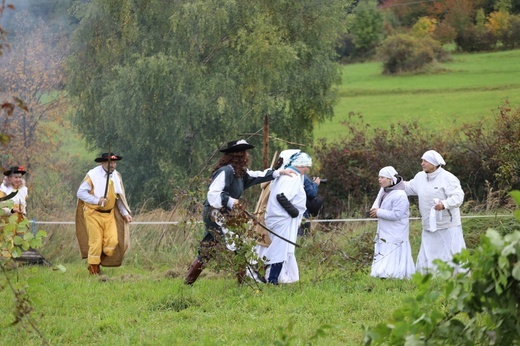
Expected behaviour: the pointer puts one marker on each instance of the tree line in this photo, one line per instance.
(165, 84)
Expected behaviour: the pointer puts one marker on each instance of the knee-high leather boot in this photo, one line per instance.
(193, 272)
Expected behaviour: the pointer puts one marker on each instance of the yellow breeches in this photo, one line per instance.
(102, 234)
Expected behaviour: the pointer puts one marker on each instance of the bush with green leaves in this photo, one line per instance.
(15, 237)
(405, 53)
(480, 307)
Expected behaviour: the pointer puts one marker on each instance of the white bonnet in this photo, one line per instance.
(286, 156)
(301, 160)
(389, 172)
(433, 157)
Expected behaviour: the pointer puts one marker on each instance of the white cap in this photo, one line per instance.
(389, 172)
(433, 157)
(286, 156)
(301, 160)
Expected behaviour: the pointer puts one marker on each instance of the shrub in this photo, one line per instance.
(355, 160)
(510, 37)
(486, 159)
(473, 39)
(489, 155)
(405, 53)
(444, 33)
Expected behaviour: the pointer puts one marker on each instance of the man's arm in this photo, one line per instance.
(85, 195)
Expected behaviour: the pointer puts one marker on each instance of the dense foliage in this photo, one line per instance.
(484, 158)
(473, 25)
(170, 82)
(406, 53)
(480, 307)
(16, 237)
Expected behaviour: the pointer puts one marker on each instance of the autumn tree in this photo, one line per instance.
(168, 82)
(31, 71)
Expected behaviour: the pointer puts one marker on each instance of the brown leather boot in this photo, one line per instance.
(93, 269)
(193, 272)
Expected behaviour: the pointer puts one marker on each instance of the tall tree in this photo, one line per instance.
(31, 71)
(367, 26)
(169, 82)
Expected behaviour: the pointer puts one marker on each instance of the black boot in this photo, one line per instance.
(304, 229)
(194, 272)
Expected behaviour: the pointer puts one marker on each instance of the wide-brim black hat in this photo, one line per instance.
(236, 146)
(15, 169)
(104, 157)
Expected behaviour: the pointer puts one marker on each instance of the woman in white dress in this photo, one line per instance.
(392, 250)
(440, 197)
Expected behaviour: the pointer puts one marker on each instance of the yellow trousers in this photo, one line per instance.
(102, 234)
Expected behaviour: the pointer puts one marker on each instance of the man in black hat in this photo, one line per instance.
(229, 179)
(13, 181)
(103, 215)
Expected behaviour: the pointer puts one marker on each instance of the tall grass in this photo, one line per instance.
(471, 87)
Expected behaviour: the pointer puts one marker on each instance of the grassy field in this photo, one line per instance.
(133, 306)
(471, 87)
(144, 302)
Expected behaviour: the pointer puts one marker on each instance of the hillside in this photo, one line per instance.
(470, 87)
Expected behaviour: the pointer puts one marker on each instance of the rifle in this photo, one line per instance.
(9, 196)
(267, 229)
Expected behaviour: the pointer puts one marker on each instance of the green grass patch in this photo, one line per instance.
(471, 87)
(144, 302)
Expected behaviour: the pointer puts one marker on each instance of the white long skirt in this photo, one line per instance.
(392, 260)
(441, 244)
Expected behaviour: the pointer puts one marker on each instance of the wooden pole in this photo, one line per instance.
(266, 142)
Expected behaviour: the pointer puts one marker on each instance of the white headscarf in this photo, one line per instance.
(286, 156)
(389, 172)
(433, 157)
(301, 160)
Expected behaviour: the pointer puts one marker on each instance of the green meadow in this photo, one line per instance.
(468, 88)
(144, 302)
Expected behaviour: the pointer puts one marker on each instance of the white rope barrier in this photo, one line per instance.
(310, 220)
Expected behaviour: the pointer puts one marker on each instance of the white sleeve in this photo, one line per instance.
(121, 207)
(84, 194)
(215, 190)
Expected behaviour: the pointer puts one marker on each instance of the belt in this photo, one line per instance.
(104, 211)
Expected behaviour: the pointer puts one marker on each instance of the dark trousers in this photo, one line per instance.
(274, 273)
